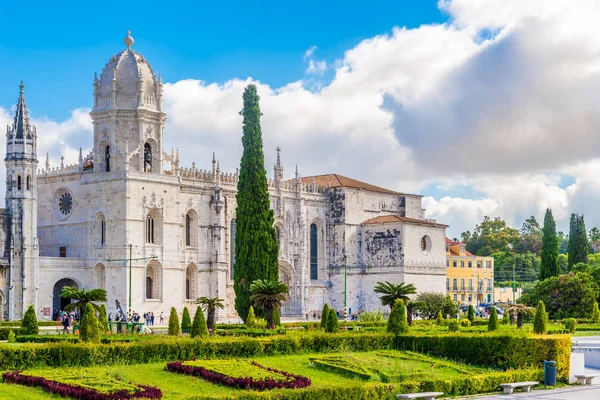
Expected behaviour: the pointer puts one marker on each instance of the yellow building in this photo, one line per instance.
(469, 278)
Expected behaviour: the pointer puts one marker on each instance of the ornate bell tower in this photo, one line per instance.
(21, 204)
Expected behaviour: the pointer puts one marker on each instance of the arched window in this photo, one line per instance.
(147, 157)
(27, 182)
(149, 287)
(99, 277)
(149, 229)
(188, 224)
(107, 158)
(153, 280)
(191, 272)
(18, 182)
(100, 230)
(314, 252)
(231, 248)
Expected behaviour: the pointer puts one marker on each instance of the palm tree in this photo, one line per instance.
(210, 305)
(392, 292)
(520, 310)
(82, 298)
(268, 295)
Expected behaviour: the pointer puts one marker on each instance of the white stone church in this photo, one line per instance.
(130, 203)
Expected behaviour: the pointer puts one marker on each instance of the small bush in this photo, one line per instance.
(505, 318)
(11, 337)
(453, 326)
(251, 318)
(174, 327)
(89, 331)
(570, 325)
(186, 321)
(260, 323)
(370, 316)
(397, 322)
(30, 322)
(439, 320)
(465, 322)
(540, 321)
(332, 322)
(595, 314)
(493, 321)
(103, 320)
(471, 314)
(324, 316)
(199, 328)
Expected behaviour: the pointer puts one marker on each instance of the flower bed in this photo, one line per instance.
(78, 386)
(240, 374)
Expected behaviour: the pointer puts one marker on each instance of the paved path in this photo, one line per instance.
(569, 393)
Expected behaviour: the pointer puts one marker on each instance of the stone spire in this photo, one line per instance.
(21, 127)
(278, 169)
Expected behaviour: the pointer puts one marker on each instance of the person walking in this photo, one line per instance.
(152, 318)
(161, 317)
(66, 324)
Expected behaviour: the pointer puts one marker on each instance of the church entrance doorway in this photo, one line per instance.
(59, 303)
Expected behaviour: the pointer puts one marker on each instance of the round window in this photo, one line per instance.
(425, 244)
(63, 203)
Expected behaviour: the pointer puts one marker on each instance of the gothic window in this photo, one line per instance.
(149, 287)
(314, 252)
(99, 277)
(147, 157)
(149, 229)
(107, 158)
(19, 182)
(191, 227)
(27, 182)
(231, 248)
(153, 280)
(100, 230)
(188, 222)
(191, 272)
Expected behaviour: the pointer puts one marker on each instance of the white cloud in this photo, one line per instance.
(317, 67)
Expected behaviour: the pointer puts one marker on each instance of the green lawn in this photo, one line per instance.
(177, 386)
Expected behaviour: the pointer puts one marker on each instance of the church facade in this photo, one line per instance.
(129, 219)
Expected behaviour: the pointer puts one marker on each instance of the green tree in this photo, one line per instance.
(89, 329)
(324, 316)
(397, 322)
(563, 263)
(531, 237)
(391, 292)
(549, 257)
(493, 321)
(29, 326)
(595, 313)
(199, 328)
(82, 298)
(186, 321)
(433, 303)
(491, 236)
(578, 243)
(540, 321)
(251, 319)
(174, 327)
(269, 295)
(256, 246)
(563, 242)
(210, 305)
(439, 320)
(471, 314)
(505, 318)
(103, 320)
(520, 311)
(332, 322)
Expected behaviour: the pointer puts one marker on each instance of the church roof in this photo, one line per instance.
(337, 180)
(388, 219)
(21, 126)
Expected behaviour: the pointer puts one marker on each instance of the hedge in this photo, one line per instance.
(17, 324)
(75, 339)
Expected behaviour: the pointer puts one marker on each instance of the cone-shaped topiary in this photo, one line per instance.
(89, 331)
(174, 328)
(199, 328)
(540, 321)
(186, 321)
(103, 320)
(439, 321)
(397, 322)
(251, 319)
(324, 316)
(505, 318)
(471, 313)
(493, 321)
(332, 322)
(277, 317)
(595, 314)
(29, 326)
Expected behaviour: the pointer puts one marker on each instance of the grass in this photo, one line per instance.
(177, 386)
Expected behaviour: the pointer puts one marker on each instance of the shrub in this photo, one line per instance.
(397, 322)
(370, 316)
(174, 328)
(186, 322)
(332, 322)
(103, 320)
(453, 326)
(493, 321)
(251, 318)
(505, 318)
(324, 316)
(540, 321)
(570, 325)
(471, 314)
(595, 313)
(11, 337)
(260, 323)
(465, 322)
(199, 328)
(89, 331)
(277, 317)
(29, 326)
(439, 320)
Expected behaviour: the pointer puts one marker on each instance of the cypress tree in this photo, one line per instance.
(89, 331)
(251, 319)
(29, 326)
(493, 321)
(324, 316)
(578, 242)
(103, 320)
(595, 313)
(505, 318)
(549, 256)
(471, 314)
(540, 321)
(199, 328)
(186, 321)
(174, 328)
(332, 322)
(439, 320)
(256, 247)
(397, 322)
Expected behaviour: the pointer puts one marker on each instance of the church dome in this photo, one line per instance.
(130, 75)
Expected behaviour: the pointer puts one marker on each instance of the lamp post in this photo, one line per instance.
(345, 288)
(130, 256)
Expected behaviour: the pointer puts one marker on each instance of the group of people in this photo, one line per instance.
(66, 320)
(135, 317)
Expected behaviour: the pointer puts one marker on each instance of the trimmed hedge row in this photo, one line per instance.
(75, 339)
(17, 324)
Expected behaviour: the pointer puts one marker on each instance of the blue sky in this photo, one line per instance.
(56, 48)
